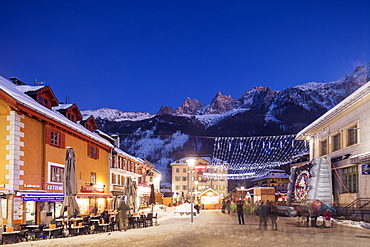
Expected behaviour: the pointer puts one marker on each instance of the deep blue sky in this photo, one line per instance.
(139, 55)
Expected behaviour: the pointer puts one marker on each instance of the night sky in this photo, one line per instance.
(139, 55)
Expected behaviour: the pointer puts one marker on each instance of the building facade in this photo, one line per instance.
(35, 132)
(276, 178)
(181, 177)
(343, 135)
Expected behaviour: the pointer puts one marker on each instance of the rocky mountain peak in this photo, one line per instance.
(189, 107)
(221, 104)
(165, 110)
(257, 97)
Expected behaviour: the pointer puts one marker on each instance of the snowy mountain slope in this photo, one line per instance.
(172, 134)
(117, 115)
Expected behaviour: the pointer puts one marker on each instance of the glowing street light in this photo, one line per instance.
(191, 163)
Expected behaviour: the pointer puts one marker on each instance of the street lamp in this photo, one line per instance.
(191, 163)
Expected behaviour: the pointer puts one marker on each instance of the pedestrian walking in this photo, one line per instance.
(223, 206)
(314, 210)
(299, 214)
(105, 216)
(228, 206)
(263, 212)
(273, 216)
(123, 210)
(240, 211)
(328, 214)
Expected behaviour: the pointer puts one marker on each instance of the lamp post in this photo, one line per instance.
(191, 163)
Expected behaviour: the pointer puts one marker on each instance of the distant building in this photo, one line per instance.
(180, 178)
(278, 179)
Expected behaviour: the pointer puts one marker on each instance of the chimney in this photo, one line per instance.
(16, 81)
(117, 140)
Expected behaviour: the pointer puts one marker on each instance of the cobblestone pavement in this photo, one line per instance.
(213, 228)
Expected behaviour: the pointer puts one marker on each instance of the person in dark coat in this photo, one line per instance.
(228, 206)
(123, 210)
(223, 206)
(273, 216)
(263, 212)
(105, 215)
(240, 212)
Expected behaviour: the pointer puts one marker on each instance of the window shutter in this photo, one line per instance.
(62, 140)
(47, 135)
(88, 150)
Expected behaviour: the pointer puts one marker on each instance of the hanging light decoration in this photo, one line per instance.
(250, 157)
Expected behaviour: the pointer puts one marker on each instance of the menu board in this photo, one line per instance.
(18, 208)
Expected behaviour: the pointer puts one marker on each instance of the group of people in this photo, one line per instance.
(265, 211)
(312, 210)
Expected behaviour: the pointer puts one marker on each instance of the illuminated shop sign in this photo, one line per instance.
(92, 189)
(43, 197)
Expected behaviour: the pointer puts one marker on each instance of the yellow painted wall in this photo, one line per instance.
(33, 153)
(84, 164)
(4, 112)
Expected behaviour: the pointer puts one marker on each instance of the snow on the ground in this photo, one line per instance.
(157, 235)
(357, 224)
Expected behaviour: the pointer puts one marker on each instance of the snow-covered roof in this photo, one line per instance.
(182, 161)
(274, 173)
(13, 91)
(61, 107)
(123, 153)
(348, 102)
(28, 88)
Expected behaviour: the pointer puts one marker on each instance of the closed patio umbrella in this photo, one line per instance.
(128, 191)
(152, 196)
(70, 185)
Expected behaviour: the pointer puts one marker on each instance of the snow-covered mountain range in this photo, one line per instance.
(173, 133)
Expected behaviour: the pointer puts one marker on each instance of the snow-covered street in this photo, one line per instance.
(213, 228)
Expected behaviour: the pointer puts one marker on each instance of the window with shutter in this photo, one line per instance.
(92, 151)
(55, 138)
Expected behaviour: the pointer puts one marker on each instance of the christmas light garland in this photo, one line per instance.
(250, 157)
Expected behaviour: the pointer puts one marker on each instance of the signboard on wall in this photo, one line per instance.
(18, 208)
(366, 169)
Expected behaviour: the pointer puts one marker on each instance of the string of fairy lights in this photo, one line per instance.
(251, 157)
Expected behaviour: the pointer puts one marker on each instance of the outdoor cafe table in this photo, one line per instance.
(32, 227)
(104, 226)
(10, 237)
(78, 229)
(49, 231)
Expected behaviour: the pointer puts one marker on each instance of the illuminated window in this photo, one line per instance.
(93, 177)
(56, 174)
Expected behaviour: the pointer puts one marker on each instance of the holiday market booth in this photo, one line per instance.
(210, 199)
(264, 194)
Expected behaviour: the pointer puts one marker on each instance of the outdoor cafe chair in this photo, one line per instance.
(149, 219)
(132, 223)
(141, 221)
(155, 218)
